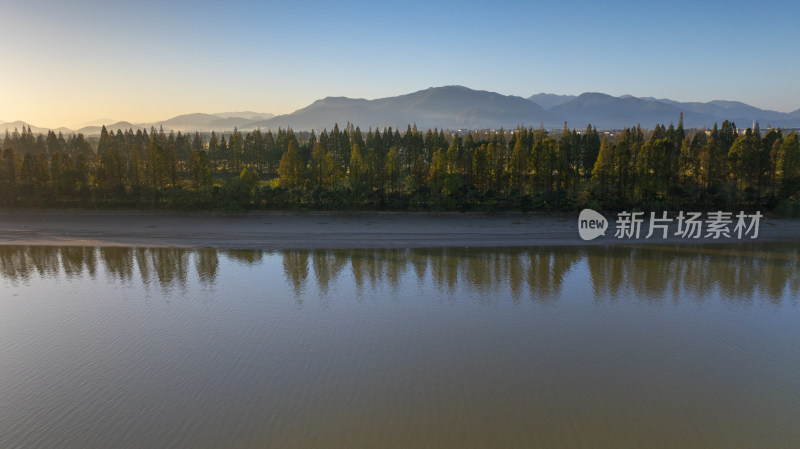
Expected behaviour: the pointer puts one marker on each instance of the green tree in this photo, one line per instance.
(214, 153)
(567, 162)
(157, 165)
(518, 166)
(356, 170)
(236, 151)
(438, 170)
(623, 165)
(690, 161)
(373, 168)
(743, 160)
(788, 165)
(480, 169)
(494, 167)
(543, 158)
(26, 174)
(392, 168)
(291, 169)
(321, 169)
(418, 173)
(41, 169)
(136, 167)
(249, 179)
(200, 168)
(10, 165)
(590, 146)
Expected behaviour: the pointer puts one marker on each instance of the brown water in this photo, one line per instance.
(682, 347)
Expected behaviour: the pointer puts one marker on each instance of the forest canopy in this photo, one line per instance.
(666, 168)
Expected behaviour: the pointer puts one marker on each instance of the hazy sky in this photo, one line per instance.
(66, 63)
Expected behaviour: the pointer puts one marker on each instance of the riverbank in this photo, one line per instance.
(276, 231)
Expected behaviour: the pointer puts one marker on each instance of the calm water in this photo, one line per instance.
(450, 348)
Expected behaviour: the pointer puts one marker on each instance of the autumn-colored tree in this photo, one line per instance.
(603, 171)
(356, 169)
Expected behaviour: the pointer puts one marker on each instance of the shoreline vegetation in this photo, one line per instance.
(525, 169)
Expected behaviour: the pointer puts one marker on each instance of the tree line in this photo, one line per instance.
(666, 168)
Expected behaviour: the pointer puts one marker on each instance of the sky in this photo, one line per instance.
(69, 63)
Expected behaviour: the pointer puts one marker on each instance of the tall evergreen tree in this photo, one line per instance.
(291, 169)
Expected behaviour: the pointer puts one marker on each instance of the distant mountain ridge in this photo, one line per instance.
(459, 107)
(251, 115)
(547, 101)
(18, 124)
(451, 107)
(605, 111)
(225, 121)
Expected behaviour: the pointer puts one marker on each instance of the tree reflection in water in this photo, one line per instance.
(737, 272)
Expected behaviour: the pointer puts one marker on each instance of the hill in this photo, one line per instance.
(451, 107)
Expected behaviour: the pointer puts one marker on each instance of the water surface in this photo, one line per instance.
(675, 347)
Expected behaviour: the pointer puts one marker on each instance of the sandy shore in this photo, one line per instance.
(323, 230)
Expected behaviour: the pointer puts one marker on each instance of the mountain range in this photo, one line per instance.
(458, 107)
